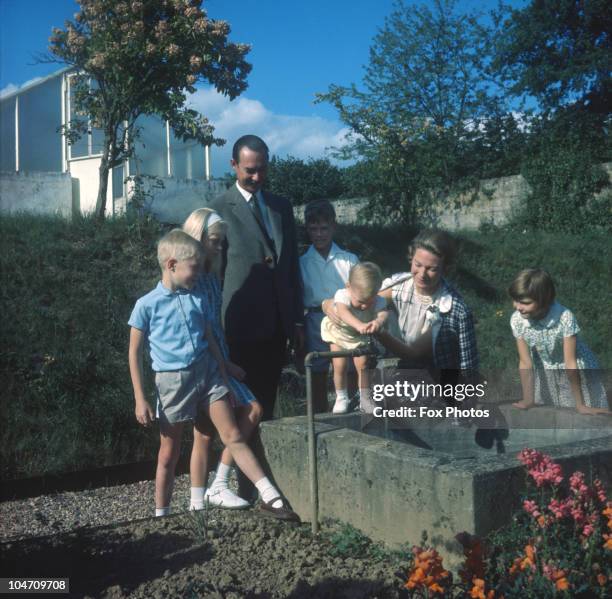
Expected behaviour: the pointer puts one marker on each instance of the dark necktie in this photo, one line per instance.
(256, 210)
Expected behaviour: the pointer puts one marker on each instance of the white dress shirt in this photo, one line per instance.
(247, 195)
(324, 276)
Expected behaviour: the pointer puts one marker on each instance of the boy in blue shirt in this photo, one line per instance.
(325, 269)
(190, 377)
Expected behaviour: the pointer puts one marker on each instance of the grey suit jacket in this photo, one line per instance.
(262, 281)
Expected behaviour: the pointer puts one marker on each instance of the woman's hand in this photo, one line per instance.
(329, 311)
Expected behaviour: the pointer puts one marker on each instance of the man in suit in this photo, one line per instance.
(262, 288)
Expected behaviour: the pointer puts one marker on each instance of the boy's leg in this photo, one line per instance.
(203, 432)
(340, 367)
(319, 392)
(169, 447)
(320, 366)
(222, 417)
(365, 394)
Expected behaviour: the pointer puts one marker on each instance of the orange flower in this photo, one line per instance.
(435, 588)
(478, 590)
(427, 571)
(602, 579)
(562, 584)
(608, 543)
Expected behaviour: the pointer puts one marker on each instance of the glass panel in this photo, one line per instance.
(118, 182)
(187, 158)
(97, 141)
(7, 135)
(150, 148)
(80, 147)
(40, 116)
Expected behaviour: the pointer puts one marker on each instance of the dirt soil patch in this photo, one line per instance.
(229, 555)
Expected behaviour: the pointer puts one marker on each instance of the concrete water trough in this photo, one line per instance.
(393, 484)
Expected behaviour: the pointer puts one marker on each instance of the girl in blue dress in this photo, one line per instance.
(209, 229)
(555, 365)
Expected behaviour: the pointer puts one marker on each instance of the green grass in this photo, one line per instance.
(69, 287)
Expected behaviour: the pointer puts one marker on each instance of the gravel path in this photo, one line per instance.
(64, 512)
(99, 540)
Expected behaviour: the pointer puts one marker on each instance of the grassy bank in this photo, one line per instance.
(68, 289)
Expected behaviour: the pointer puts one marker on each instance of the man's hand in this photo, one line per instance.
(144, 412)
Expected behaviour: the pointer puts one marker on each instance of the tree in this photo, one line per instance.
(142, 57)
(560, 52)
(304, 181)
(428, 89)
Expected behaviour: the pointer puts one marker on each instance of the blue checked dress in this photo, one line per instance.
(209, 285)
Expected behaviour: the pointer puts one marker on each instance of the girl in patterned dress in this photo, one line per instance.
(555, 365)
(208, 228)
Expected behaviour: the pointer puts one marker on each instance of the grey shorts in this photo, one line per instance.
(182, 393)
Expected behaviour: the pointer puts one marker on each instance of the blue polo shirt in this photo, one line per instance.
(174, 323)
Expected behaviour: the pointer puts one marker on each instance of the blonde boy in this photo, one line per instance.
(190, 376)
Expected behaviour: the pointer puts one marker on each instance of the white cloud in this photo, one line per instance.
(298, 136)
(11, 87)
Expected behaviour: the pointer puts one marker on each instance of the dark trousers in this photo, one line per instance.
(262, 361)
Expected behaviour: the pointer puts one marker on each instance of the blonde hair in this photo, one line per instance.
(437, 242)
(366, 277)
(196, 225)
(534, 284)
(178, 245)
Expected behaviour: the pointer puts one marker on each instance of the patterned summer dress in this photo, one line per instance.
(210, 286)
(545, 341)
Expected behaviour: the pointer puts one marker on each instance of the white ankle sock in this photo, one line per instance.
(197, 498)
(268, 491)
(162, 511)
(222, 477)
(342, 395)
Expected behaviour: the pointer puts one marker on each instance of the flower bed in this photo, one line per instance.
(559, 545)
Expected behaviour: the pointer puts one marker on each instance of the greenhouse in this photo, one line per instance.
(32, 143)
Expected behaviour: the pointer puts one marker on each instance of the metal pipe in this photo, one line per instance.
(366, 350)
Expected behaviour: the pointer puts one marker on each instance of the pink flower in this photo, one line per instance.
(588, 530)
(541, 468)
(599, 491)
(531, 507)
(577, 483)
(560, 509)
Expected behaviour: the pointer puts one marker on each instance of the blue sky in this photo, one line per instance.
(298, 48)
